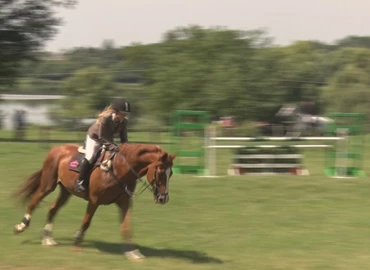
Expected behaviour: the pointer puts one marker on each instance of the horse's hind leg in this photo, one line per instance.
(44, 188)
(47, 239)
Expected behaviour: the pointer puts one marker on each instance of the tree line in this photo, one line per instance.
(223, 71)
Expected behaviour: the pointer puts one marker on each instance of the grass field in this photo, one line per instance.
(244, 222)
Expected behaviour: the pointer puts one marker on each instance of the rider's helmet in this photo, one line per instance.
(121, 105)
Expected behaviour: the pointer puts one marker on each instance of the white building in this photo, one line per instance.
(35, 106)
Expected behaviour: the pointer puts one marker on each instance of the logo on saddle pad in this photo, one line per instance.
(74, 163)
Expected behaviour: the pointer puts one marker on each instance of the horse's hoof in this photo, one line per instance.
(19, 228)
(48, 241)
(134, 255)
(78, 237)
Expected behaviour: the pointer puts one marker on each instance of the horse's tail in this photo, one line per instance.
(29, 187)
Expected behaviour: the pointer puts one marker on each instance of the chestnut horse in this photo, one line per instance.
(113, 183)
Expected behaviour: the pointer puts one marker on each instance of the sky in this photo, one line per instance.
(145, 21)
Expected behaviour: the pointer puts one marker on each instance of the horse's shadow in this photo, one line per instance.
(117, 249)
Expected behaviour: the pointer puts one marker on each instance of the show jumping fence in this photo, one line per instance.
(196, 144)
(188, 128)
(263, 159)
(347, 160)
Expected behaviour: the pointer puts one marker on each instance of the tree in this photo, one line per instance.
(301, 71)
(202, 69)
(25, 25)
(87, 92)
(354, 41)
(348, 90)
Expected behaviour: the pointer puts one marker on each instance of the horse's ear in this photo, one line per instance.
(173, 156)
(164, 156)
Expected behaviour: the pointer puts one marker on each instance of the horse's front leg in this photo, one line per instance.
(90, 211)
(125, 204)
(46, 235)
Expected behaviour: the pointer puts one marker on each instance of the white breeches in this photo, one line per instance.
(91, 147)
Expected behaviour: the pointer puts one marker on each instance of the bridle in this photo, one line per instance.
(145, 183)
(153, 187)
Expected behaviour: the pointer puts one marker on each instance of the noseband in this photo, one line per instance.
(156, 186)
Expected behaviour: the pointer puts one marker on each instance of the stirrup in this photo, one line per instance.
(80, 187)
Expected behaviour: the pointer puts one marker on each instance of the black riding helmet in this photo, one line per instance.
(121, 105)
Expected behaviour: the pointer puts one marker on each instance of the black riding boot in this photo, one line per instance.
(81, 184)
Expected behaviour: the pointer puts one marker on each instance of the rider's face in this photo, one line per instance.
(121, 115)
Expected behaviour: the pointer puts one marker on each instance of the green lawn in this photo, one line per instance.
(244, 222)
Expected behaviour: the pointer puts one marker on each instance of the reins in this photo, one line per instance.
(146, 185)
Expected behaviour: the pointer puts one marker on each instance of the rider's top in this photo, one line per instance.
(107, 127)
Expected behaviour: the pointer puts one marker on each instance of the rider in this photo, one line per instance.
(111, 121)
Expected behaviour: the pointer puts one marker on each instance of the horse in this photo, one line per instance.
(113, 180)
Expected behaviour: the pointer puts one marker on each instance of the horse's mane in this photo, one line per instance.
(139, 150)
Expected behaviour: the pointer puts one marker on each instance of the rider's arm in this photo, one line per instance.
(123, 132)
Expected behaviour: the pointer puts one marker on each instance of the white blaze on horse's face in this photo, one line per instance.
(168, 175)
(161, 194)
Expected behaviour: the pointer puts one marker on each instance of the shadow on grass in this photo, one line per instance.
(117, 249)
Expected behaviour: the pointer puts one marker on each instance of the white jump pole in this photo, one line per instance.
(261, 139)
(210, 156)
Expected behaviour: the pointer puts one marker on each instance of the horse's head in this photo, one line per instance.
(158, 175)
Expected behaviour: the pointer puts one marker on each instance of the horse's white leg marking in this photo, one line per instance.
(49, 227)
(24, 224)
(47, 239)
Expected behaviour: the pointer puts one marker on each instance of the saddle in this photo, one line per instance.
(98, 159)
